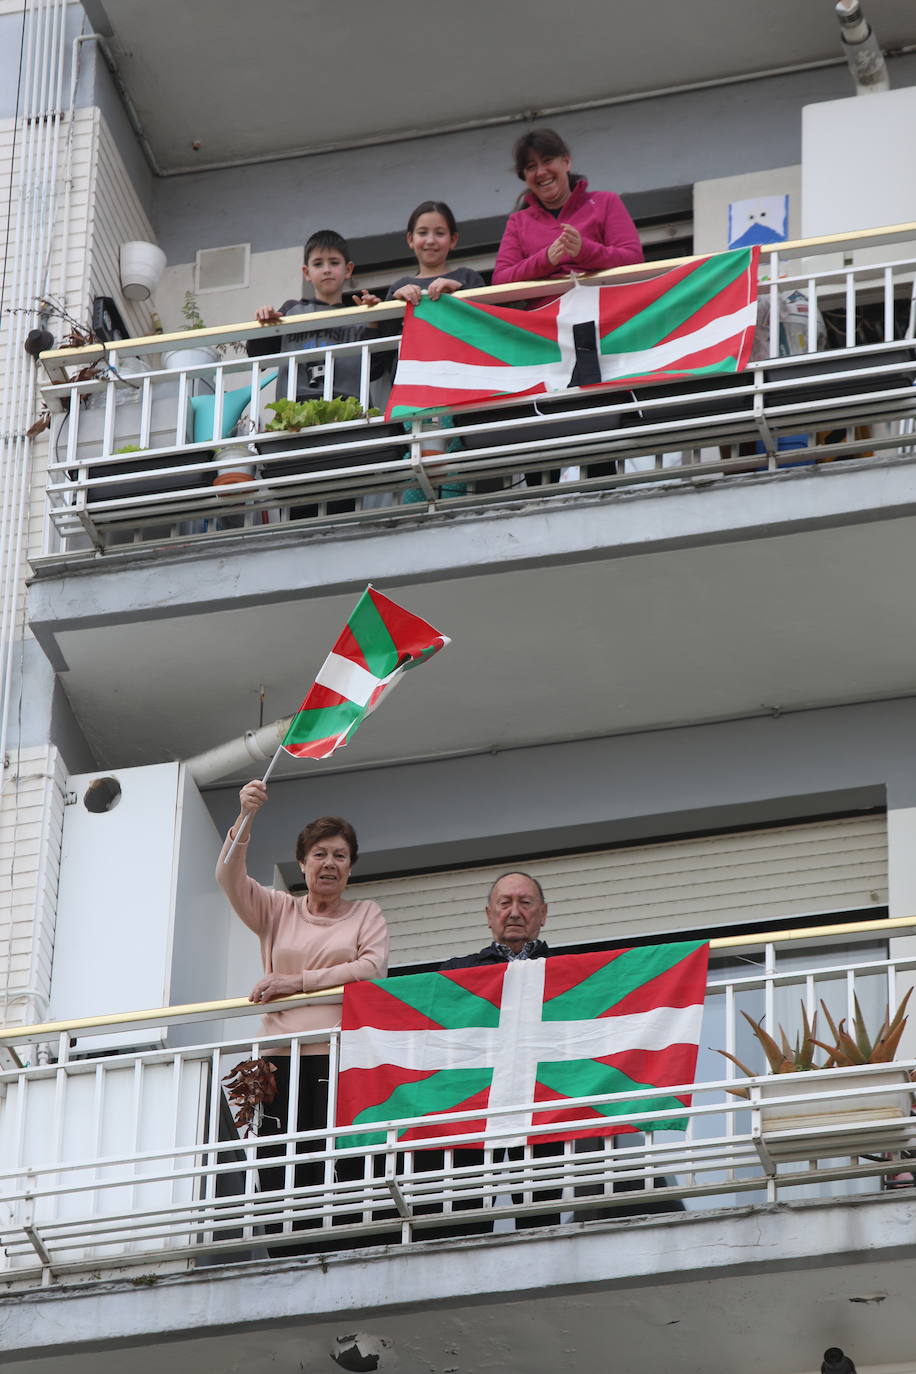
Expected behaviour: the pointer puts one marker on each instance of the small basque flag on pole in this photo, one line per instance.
(379, 643)
(530, 1035)
(694, 320)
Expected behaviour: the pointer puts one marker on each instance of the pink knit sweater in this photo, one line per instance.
(324, 950)
(609, 237)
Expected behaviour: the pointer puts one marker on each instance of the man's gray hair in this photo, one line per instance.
(516, 873)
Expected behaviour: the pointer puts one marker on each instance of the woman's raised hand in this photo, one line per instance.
(252, 797)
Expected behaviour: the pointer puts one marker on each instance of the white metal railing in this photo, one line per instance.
(134, 453)
(117, 1160)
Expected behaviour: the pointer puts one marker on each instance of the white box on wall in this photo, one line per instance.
(140, 921)
(711, 200)
(857, 166)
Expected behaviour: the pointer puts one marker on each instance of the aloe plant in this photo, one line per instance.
(848, 1047)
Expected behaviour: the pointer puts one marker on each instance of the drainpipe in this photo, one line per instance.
(251, 750)
(862, 49)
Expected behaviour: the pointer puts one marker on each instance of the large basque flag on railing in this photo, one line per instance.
(536, 1031)
(695, 320)
(377, 646)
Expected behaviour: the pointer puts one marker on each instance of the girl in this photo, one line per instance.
(431, 235)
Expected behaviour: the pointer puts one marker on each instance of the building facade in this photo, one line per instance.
(680, 688)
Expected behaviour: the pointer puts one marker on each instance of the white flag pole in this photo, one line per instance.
(248, 814)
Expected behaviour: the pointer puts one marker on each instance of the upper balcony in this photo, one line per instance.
(722, 527)
(125, 1167)
(165, 442)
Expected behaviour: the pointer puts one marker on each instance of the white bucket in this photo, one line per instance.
(142, 265)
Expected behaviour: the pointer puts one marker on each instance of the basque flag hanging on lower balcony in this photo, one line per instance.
(695, 320)
(536, 1031)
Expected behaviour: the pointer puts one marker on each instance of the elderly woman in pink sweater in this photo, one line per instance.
(562, 226)
(308, 943)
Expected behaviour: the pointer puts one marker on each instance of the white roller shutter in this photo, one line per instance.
(717, 880)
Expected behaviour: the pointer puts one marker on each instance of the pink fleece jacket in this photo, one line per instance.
(609, 237)
(324, 951)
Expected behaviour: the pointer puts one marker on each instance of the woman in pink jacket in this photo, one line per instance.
(562, 226)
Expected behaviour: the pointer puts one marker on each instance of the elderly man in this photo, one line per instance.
(516, 912)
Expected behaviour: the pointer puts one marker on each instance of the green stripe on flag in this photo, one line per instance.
(322, 723)
(588, 1078)
(723, 366)
(372, 635)
(443, 1000)
(612, 982)
(439, 1093)
(507, 342)
(660, 319)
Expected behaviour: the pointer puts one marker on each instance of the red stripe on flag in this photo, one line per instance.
(559, 1115)
(682, 985)
(485, 982)
(371, 1005)
(424, 342)
(315, 749)
(726, 302)
(428, 397)
(348, 647)
(542, 320)
(320, 696)
(662, 1068)
(410, 633)
(618, 304)
(470, 1104)
(561, 974)
(359, 1089)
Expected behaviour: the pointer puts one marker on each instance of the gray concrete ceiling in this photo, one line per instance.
(246, 81)
(551, 652)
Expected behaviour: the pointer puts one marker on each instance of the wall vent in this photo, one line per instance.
(222, 269)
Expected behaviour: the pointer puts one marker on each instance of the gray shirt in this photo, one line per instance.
(310, 373)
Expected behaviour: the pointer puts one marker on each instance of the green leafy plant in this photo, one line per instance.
(296, 415)
(846, 1049)
(191, 312)
(129, 448)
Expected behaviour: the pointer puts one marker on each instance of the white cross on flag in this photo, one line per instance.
(530, 1032)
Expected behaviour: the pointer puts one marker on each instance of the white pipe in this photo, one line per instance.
(253, 748)
(863, 51)
(28, 253)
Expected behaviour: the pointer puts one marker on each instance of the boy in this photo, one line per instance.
(326, 268)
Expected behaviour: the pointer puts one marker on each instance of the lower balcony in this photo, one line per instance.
(132, 1210)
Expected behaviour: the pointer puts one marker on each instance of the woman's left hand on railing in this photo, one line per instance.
(274, 985)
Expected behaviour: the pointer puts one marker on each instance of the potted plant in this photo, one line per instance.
(317, 423)
(847, 1049)
(189, 355)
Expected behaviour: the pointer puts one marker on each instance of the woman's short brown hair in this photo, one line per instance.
(322, 829)
(544, 142)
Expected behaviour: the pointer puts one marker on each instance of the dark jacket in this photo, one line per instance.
(491, 955)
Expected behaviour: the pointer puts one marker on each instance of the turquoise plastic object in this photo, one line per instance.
(234, 402)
